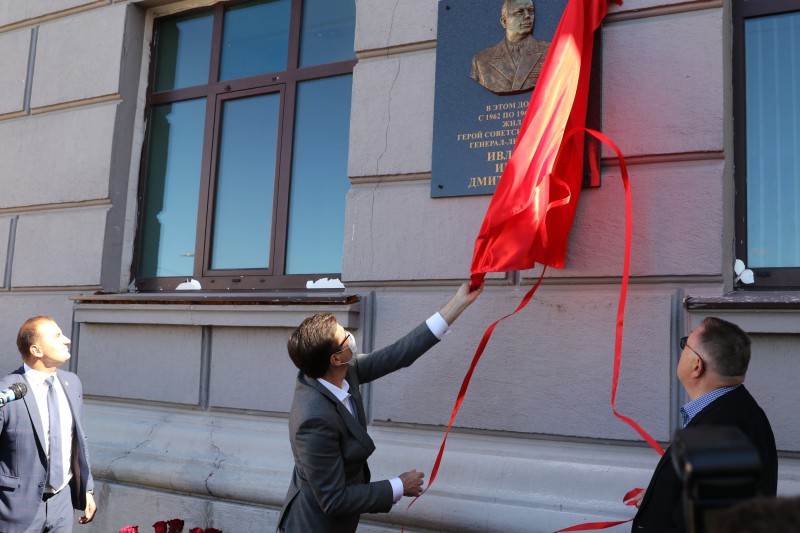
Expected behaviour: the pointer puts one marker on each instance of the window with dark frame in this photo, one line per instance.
(244, 167)
(766, 74)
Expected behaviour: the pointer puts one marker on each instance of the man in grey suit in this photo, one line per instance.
(330, 485)
(44, 460)
(513, 65)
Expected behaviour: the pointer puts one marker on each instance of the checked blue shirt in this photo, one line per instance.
(691, 409)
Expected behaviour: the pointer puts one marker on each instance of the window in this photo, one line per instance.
(766, 75)
(244, 171)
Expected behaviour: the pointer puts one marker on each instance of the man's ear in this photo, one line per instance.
(699, 367)
(36, 351)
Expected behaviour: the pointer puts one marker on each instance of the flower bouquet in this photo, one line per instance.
(170, 526)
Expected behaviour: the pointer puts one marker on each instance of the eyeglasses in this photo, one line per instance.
(342, 345)
(684, 344)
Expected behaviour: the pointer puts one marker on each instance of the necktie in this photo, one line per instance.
(55, 470)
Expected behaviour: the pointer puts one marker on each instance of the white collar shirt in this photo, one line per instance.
(343, 394)
(37, 383)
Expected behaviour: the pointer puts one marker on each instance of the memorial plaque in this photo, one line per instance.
(488, 60)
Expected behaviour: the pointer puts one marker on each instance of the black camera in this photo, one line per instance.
(719, 467)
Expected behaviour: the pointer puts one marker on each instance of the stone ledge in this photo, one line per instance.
(755, 312)
(486, 483)
(211, 310)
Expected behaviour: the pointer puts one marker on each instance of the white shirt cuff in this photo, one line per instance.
(438, 326)
(397, 489)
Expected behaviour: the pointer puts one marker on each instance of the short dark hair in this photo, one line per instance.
(312, 343)
(760, 515)
(28, 334)
(727, 345)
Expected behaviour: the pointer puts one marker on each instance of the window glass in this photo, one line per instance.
(772, 65)
(246, 188)
(245, 183)
(183, 52)
(319, 176)
(255, 38)
(328, 31)
(169, 218)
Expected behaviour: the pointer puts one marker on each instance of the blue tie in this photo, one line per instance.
(55, 470)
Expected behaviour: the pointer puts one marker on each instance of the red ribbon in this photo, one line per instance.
(628, 499)
(623, 294)
(465, 384)
(531, 212)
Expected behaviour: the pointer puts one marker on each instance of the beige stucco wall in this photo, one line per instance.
(186, 404)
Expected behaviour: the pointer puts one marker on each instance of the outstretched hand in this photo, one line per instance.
(462, 299)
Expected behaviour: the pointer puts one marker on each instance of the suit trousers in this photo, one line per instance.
(54, 515)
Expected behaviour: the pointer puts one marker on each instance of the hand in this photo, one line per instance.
(88, 513)
(412, 483)
(636, 500)
(460, 301)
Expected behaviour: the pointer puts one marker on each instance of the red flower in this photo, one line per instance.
(196, 530)
(160, 527)
(175, 525)
(129, 529)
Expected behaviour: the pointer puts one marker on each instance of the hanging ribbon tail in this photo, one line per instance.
(623, 293)
(465, 384)
(590, 526)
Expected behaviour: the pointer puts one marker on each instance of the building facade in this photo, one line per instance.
(255, 151)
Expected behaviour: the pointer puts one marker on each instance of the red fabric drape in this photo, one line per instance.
(531, 212)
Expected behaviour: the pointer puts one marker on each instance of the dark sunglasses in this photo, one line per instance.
(342, 346)
(683, 343)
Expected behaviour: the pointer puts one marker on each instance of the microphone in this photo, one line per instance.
(14, 392)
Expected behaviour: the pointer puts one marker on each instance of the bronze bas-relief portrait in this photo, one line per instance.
(513, 65)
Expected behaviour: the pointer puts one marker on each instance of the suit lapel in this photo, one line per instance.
(33, 409)
(353, 425)
(358, 402)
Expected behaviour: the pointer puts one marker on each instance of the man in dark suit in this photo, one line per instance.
(44, 460)
(712, 369)
(512, 65)
(330, 485)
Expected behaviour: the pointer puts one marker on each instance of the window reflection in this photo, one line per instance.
(773, 140)
(255, 38)
(245, 183)
(169, 218)
(319, 176)
(328, 31)
(184, 52)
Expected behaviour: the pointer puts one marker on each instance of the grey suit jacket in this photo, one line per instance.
(23, 461)
(494, 69)
(330, 485)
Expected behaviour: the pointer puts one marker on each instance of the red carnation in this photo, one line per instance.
(129, 529)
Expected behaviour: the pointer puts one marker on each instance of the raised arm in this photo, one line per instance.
(460, 301)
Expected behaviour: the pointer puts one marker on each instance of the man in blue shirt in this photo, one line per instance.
(712, 369)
